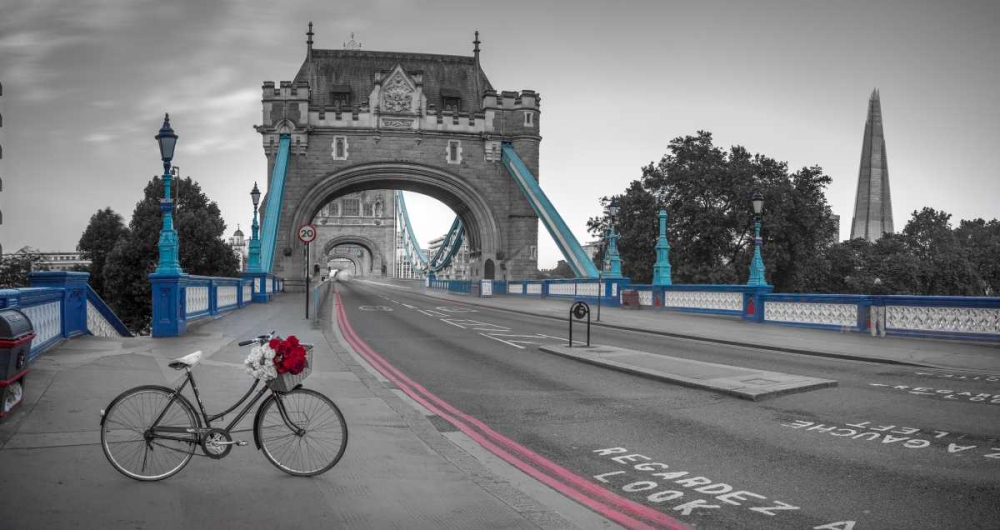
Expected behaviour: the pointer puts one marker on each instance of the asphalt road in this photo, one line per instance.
(890, 447)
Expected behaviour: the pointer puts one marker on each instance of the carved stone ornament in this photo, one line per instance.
(397, 94)
(396, 123)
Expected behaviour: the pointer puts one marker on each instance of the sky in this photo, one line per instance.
(86, 84)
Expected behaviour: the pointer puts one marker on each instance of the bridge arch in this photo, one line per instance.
(377, 256)
(358, 266)
(482, 227)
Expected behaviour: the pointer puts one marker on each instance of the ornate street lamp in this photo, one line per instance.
(253, 261)
(169, 262)
(608, 262)
(757, 265)
(614, 258)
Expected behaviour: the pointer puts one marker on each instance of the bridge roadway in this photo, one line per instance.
(893, 446)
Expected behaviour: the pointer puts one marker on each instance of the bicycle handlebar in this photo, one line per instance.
(261, 339)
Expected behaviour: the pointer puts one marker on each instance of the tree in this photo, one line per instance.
(203, 252)
(926, 258)
(981, 241)
(15, 267)
(562, 270)
(944, 267)
(706, 192)
(98, 240)
(638, 228)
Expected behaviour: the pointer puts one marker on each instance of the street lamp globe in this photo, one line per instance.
(167, 140)
(255, 195)
(613, 209)
(758, 203)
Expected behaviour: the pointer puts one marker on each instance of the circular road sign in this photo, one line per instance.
(580, 310)
(307, 233)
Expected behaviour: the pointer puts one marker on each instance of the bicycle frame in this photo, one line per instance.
(162, 431)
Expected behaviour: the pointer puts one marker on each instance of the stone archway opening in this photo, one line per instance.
(478, 212)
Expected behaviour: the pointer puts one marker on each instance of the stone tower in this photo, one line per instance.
(362, 120)
(873, 203)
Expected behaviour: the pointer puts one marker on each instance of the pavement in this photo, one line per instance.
(401, 469)
(745, 383)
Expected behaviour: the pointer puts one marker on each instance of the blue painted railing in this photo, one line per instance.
(953, 317)
(101, 319)
(60, 305)
(211, 296)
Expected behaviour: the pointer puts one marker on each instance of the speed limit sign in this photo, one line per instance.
(307, 234)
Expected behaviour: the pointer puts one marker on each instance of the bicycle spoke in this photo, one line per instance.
(322, 439)
(124, 433)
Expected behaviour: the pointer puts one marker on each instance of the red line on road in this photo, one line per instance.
(574, 486)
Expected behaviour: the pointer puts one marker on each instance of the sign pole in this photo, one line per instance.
(307, 234)
(307, 281)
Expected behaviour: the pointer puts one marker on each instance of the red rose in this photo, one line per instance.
(274, 344)
(292, 341)
(298, 364)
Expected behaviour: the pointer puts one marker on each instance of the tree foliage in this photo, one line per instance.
(203, 252)
(14, 268)
(928, 257)
(106, 227)
(706, 191)
(561, 270)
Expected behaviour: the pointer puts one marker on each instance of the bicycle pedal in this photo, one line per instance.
(241, 443)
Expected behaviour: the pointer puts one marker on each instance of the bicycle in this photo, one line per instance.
(150, 432)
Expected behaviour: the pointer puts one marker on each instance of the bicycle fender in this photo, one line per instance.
(256, 421)
(155, 387)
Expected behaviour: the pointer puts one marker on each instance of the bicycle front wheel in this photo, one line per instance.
(319, 445)
(128, 440)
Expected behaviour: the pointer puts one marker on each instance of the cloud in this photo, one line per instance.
(99, 138)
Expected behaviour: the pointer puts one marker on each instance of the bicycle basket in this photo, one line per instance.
(286, 382)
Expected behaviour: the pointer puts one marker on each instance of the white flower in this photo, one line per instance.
(260, 364)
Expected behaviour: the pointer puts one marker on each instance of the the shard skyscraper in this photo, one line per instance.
(873, 203)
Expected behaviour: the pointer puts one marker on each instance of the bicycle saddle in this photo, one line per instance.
(188, 361)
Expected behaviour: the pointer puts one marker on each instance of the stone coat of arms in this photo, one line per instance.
(397, 96)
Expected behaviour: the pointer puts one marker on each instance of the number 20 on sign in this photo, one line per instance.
(307, 233)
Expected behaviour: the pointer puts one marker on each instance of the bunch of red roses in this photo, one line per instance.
(289, 355)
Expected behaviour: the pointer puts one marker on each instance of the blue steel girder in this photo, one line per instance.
(450, 246)
(575, 256)
(272, 215)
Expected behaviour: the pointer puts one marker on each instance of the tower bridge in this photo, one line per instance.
(354, 121)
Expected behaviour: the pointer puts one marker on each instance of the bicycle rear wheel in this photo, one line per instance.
(318, 448)
(128, 442)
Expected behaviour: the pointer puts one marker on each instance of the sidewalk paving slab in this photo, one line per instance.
(399, 470)
(744, 383)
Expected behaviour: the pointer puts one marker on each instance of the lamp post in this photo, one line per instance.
(169, 262)
(175, 172)
(613, 257)
(757, 265)
(253, 261)
(168, 281)
(609, 256)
